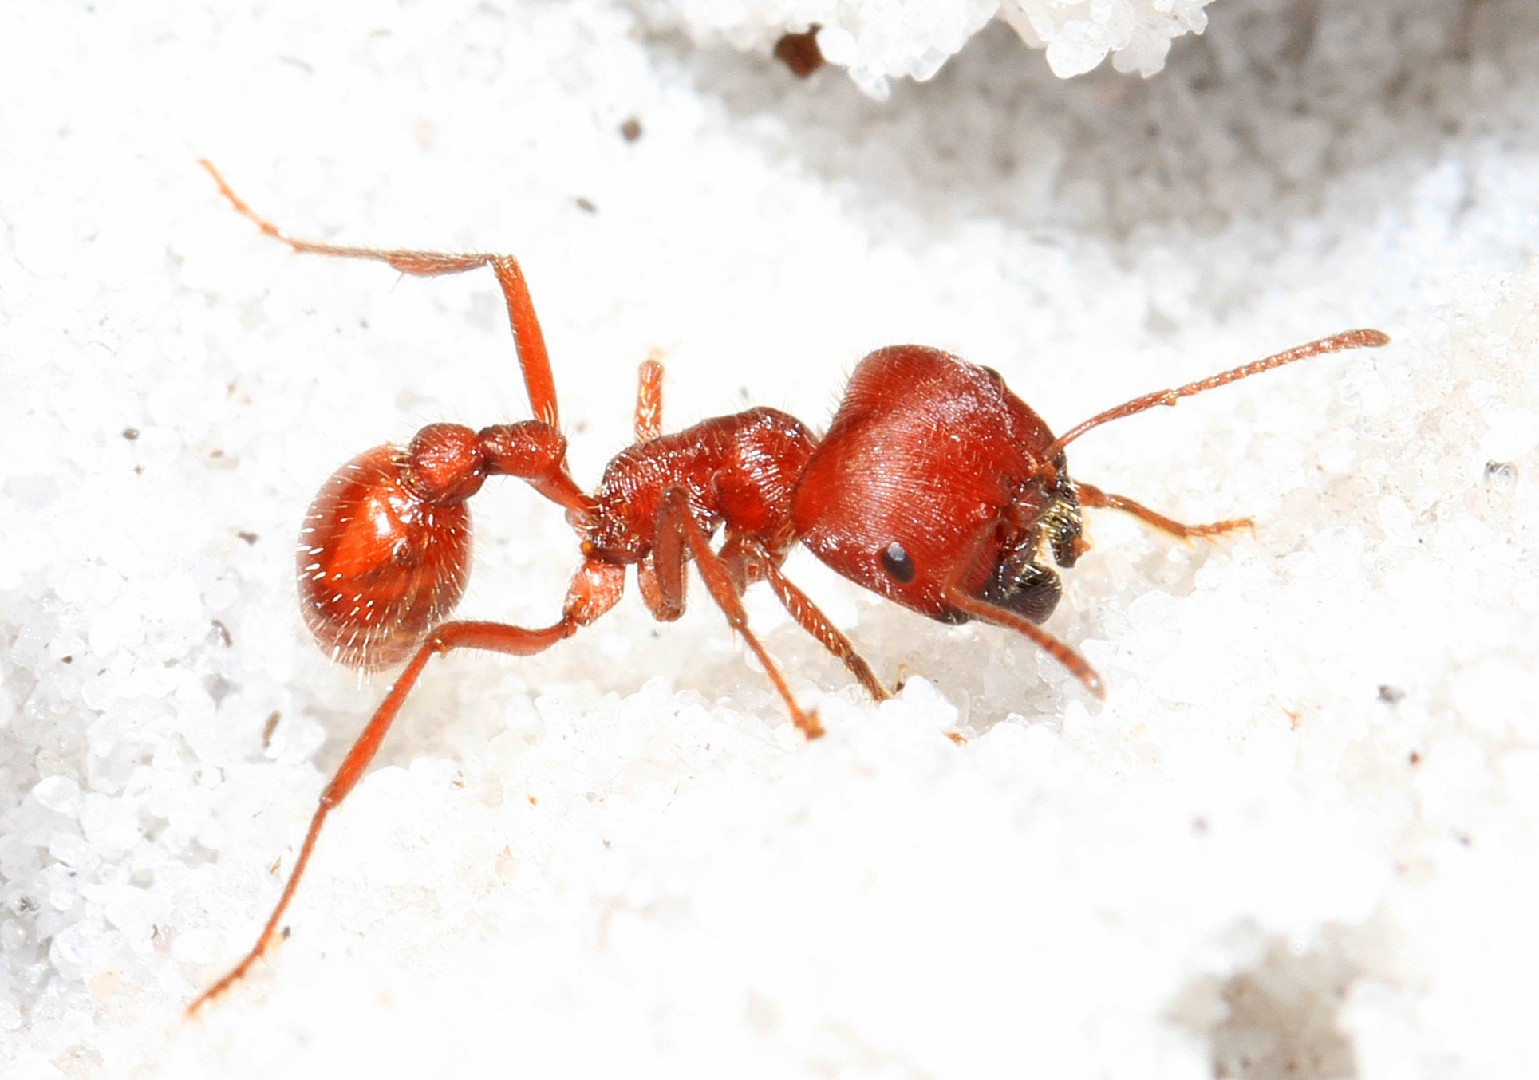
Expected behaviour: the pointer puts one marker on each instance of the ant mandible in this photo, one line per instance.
(935, 487)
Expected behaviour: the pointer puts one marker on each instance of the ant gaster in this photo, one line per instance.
(935, 487)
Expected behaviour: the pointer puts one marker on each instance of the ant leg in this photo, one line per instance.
(665, 602)
(811, 619)
(594, 590)
(1090, 495)
(674, 522)
(660, 576)
(527, 337)
(510, 639)
(748, 560)
(1076, 664)
(649, 397)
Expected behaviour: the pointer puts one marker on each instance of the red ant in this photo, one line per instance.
(935, 487)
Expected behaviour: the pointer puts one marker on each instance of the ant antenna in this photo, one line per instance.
(1349, 339)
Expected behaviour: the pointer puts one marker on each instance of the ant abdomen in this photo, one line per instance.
(379, 566)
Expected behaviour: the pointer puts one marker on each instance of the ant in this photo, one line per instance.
(935, 487)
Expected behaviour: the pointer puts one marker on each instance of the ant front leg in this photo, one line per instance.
(976, 607)
(595, 589)
(810, 618)
(1090, 495)
(527, 336)
(1076, 664)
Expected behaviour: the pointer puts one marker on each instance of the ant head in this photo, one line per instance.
(379, 565)
(931, 484)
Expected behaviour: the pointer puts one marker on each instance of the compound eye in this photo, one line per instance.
(896, 562)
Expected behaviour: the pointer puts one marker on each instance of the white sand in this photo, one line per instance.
(1297, 839)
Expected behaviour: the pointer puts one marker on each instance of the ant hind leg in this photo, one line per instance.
(595, 589)
(527, 336)
(497, 636)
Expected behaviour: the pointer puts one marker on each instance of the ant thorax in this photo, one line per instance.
(735, 470)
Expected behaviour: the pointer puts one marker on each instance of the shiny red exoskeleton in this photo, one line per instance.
(935, 487)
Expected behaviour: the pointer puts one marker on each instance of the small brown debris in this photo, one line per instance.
(800, 52)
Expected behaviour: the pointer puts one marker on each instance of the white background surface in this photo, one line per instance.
(1297, 838)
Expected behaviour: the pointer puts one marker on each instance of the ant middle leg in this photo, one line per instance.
(678, 532)
(745, 561)
(1090, 495)
(527, 336)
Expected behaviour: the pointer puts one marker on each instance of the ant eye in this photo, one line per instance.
(897, 563)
